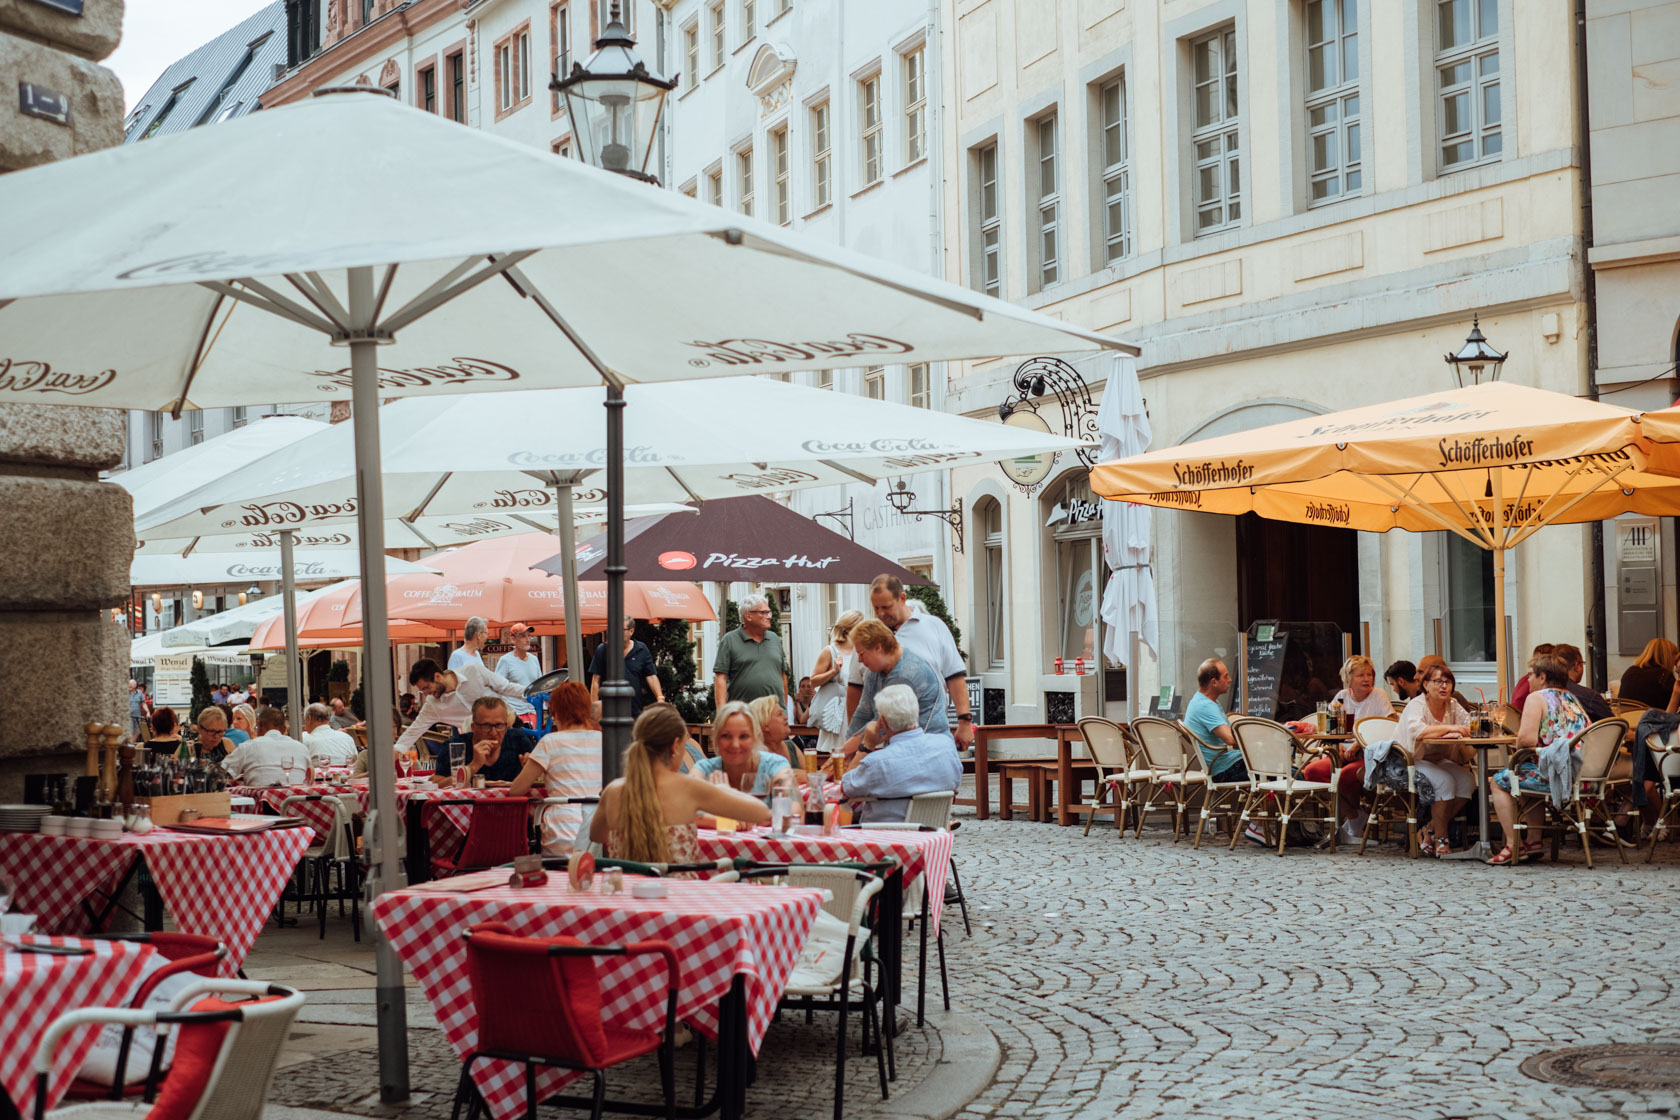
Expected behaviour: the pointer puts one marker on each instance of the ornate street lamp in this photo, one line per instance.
(1475, 356)
(615, 104)
(902, 498)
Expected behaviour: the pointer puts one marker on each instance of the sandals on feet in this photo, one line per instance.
(1533, 850)
(1442, 849)
(1503, 858)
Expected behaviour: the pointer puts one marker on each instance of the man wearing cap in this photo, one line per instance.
(520, 666)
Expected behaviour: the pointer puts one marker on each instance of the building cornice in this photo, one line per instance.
(395, 26)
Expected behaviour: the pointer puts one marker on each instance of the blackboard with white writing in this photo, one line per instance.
(1265, 673)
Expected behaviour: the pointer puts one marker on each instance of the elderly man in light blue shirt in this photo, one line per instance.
(908, 761)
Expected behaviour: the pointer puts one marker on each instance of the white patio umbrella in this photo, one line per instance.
(302, 235)
(1128, 599)
(231, 567)
(692, 440)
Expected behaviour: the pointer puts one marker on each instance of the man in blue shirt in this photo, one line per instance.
(493, 745)
(1207, 723)
(909, 760)
(885, 663)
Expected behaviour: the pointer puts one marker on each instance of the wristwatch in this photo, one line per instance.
(964, 717)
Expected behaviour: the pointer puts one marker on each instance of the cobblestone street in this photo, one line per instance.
(1140, 978)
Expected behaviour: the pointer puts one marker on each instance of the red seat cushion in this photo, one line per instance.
(197, 1046)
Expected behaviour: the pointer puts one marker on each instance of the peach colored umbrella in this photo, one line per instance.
(494, 579)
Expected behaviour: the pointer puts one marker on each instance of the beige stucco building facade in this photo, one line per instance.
(1292, 206)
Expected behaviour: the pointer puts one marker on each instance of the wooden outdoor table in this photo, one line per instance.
(1064, 734)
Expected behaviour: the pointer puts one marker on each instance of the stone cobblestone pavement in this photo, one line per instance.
(1127, 978)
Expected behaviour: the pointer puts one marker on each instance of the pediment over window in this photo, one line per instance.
(770, 76)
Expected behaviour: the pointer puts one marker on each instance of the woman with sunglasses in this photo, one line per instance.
(1430, 726)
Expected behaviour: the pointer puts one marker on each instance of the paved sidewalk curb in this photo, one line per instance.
(969, 1060)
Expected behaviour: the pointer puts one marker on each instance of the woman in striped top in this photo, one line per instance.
(567, 762)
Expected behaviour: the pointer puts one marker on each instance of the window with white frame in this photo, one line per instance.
(825, 379)
(822, 157)
(717, 28)
(504, 75)
(1114, 161)
(523, 40)
(1046, 182)
(1467, 587)
(691, 188)
(195, 426)
(831, 607)
(783, 7)
(1467, 81)
(154, 436)
(749, 20)
(744, 174)
(560, 20)
(915, 105)
(988, 228)
(714, 186)
(916, 378)
(875, 383)
(691, 51)
(1216, 117)
(1333, 131)
(869, 123)
(988, 581)
(779, 171)
(240, 415)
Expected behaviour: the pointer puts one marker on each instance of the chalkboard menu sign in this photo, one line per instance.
(1292, 667)
(1268, 645)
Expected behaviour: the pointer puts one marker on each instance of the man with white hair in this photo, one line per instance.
(341, 717)
(908, 761)
(472, 642)
(327, 745)
(749, 660)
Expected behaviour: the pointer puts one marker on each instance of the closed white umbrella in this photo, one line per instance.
(303, 237)
(1128, 601)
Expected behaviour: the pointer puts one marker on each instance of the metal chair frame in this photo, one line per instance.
(1269, 751)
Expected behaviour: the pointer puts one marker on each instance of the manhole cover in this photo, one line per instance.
(1654, 1067)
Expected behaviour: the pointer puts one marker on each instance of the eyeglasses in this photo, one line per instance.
(758, 612)
(489, 726)
(1448, 681)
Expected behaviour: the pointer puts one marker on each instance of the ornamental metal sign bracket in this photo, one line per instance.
(1074, 415)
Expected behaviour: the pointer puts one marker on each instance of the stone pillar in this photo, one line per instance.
(69, 538)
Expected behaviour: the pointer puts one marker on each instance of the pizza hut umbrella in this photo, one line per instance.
(302, 238)
(747, 540)
(1492, 463)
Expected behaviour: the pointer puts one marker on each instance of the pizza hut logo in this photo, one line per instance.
(677, 560)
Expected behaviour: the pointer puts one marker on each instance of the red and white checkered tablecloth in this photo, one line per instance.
(447, 824)
(216, 886)
(921, 853)
(36, 988)
(318, 814)
(719, 931)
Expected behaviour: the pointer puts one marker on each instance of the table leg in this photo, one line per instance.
(733, 1052)
(419, 852)
(152, 899)
(1064, 781)
(1485, 850)
(921, 975)
(982, 777)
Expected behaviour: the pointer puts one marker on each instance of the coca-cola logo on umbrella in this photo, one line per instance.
(18, 375)
(677, 560)
(459, 371)
(289, 513)
(765, 351)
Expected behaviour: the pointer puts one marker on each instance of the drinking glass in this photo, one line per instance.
(405, 763)
(5, 894)
(287, 762)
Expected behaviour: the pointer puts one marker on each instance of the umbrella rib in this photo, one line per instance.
(677, 478)
(737, 237)
(1541, 518)
(420, 510)
(270, 301)
(334, 309)
(843, 469)
(199, 353)
(312, 293)
(1522, 491)
(572, 336)
(384, 291)
(1469, 514)
(1392, 493)
(449, 287)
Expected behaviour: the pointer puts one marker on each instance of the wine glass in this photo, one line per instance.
(287, 762)
(405, 763)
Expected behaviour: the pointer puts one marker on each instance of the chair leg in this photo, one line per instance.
(463, 1091)
(668, 1077)
(944, 980)
(1094, 804)
(840, 1043)
(962, 899)
(600, 1098)
(872, 1012)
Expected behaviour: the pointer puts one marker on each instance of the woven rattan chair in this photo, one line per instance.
(1600, 745)
(1621, 707)
(1111, 751)
(1276, 796)
(1161, 744)
(1220, 796)
(1389, 806)
(1667, 777)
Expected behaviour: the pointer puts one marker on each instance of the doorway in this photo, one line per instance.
(1297, 573)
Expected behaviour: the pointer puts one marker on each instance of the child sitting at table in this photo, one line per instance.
(649, 814)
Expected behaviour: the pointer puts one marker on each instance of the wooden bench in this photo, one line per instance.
(1041, 776)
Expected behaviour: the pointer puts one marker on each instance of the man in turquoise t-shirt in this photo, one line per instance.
(1208, 724)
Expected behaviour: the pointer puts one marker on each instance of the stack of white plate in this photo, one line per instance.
(22, 818)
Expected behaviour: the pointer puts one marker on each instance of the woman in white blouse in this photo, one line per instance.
(1430, 726)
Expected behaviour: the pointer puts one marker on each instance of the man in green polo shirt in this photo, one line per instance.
(749, 660)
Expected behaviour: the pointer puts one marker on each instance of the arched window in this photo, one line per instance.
(1072, 564)
(989, 599)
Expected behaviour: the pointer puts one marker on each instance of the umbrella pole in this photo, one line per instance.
(567, 532)
(385, 873)
(615, 691)
(288, 590)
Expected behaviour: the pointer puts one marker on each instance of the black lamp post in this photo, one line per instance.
(1475, 356)
(615, 104)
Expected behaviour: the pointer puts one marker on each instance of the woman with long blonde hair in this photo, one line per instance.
(649, 814)
(828, 677)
